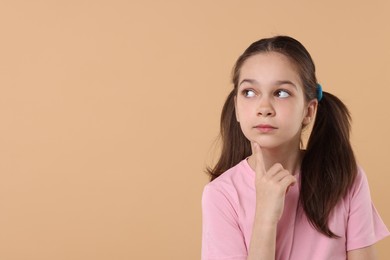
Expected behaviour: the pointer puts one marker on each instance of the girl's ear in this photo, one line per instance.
(235, 108)
(311, 110)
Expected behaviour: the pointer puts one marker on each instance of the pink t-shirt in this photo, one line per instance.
(229, 208)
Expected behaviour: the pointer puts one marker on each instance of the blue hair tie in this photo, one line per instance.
(319, 92)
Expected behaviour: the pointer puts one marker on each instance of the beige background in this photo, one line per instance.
(109, 111)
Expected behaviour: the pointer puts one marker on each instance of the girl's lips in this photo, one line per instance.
(265, 128)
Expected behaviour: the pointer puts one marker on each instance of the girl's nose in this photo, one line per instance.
(265, 108)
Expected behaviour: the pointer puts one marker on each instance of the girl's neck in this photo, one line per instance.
(289, 158)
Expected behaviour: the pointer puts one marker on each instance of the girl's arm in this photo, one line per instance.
(263, 241)
(366, 253)
(271, 188)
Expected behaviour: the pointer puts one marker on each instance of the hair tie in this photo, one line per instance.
(319, 92)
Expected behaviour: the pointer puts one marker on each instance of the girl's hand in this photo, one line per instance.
(271, 188)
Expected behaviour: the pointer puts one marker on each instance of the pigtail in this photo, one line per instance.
(329, 166)
(235, 146)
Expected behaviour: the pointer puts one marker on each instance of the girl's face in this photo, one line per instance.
(270, 103)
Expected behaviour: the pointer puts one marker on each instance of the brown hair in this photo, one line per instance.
(328, 168)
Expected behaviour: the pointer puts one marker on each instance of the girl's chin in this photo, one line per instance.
(265, 142)
(267, 145)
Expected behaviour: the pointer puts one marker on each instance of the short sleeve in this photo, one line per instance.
(365, 227)
(221, 236)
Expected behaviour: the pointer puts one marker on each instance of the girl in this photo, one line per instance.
(270, 199)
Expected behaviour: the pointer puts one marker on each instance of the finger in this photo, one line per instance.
(259, 167)
(277, 173)
(288, 181)
(275, 169)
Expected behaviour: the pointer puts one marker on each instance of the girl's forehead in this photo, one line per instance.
(269, 66)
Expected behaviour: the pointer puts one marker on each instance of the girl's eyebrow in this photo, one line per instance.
(251, 81)
(283, 82)
(277, 83)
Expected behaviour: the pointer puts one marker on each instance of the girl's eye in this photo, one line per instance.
(282, 93)
(249, 93)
